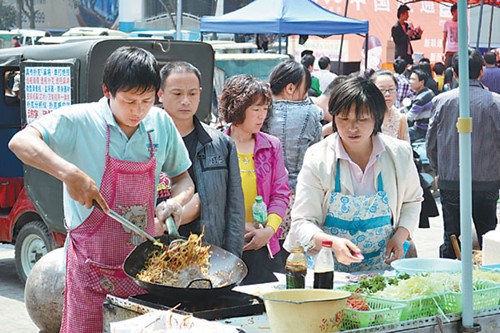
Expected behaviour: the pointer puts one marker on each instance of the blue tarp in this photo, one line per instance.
(286, 17)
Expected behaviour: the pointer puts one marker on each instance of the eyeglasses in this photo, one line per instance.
(390, 91)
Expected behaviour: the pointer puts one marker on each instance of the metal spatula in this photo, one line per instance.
(117, 217)
(173, 233)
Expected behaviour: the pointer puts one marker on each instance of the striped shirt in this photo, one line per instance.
(442, 138)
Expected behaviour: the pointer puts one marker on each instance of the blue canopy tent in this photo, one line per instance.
(284, 17)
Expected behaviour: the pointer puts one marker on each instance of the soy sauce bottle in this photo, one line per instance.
(296, 268)
(323, 267)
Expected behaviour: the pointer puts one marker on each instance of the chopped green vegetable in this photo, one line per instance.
(373, 284)
(405, 287)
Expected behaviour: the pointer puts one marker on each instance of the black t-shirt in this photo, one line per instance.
(191, 141)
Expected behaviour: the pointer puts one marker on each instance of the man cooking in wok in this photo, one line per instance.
(110, 152)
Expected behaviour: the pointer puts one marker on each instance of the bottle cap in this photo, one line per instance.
(258, 199)
(327, 243)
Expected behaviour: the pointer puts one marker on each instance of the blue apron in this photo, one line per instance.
(365, 220)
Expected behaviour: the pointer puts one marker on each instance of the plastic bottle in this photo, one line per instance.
(259, 210)
(296, 268)
(323, 267)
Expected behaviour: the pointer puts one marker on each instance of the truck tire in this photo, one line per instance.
(33, 241)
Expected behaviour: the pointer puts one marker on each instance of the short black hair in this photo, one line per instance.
(421, 74)
(323, 62)
(402, 9)
(476, 62)
(288, 71)
(363, 95)
(304, 52)
(425, 67)
(422, 60)
(178, 67)
(490, 58)
(439, 68)
(129, 68)
(453, 7)
(400, 65)
(307, 60)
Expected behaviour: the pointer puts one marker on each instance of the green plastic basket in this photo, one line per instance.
(382, 312)
(485, 295)
(419, 307)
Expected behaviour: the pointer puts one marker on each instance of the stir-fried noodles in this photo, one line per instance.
(177, 265)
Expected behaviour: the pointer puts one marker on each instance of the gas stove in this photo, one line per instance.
(226, 305)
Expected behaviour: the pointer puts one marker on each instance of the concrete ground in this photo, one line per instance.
(13, 315)
(15, 319)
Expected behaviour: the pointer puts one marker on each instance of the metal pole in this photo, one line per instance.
(465, 166)
(178, 32)
(342, 38)
(366, 52)
(479, 25)
(491, 27)
(219, 8)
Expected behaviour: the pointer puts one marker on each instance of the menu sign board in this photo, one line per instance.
(47, 87)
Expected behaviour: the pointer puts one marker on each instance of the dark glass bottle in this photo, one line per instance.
(323, 267)
(296, 268)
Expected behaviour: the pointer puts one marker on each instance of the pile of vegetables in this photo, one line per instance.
(405, 287)
(356, 302)
(369, 285)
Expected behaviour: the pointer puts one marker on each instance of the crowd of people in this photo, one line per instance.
(329, 154)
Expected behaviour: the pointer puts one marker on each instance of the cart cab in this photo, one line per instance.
(51, 76)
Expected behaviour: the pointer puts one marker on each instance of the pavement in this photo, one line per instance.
(15, 319)
(13, 315)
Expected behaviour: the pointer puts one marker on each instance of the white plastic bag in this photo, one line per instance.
(169, 322)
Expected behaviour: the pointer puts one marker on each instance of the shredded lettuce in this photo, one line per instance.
(435, 283)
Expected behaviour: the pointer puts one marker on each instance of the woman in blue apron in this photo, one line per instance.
(358, 187)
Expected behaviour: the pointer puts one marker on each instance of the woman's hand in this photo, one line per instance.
(345, 251)
(250, 226)
(257, 238)
(394, 248)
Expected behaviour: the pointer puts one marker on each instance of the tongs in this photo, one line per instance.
(117, 217)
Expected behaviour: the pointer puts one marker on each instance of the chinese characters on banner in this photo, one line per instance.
(46, 89)
(381, 15)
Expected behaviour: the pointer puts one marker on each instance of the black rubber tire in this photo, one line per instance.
(33, 241)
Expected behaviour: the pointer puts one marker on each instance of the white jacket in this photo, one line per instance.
(316, 181)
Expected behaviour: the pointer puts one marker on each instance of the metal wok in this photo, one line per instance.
(226, 271)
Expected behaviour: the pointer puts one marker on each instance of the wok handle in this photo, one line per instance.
(198, 280)
(456, 247)
(173, 233)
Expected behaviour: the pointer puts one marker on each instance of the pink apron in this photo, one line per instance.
(98, 247)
